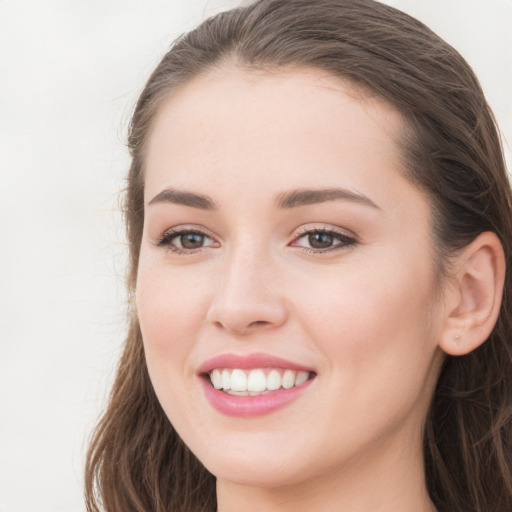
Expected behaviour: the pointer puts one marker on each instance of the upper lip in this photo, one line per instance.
(249, 361)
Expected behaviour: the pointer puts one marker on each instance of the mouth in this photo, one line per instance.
(254, 384)
(258, 381)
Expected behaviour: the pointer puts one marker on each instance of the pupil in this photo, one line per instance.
(320, 240)
(191, 241)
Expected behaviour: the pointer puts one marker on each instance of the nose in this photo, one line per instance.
(248, 297)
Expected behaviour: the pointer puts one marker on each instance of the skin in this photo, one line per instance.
(366, 316)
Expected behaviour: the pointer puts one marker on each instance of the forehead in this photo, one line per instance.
(294, 125)
(270, 98)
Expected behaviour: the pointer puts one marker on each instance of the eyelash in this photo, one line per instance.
(166, 239)
(344, 241)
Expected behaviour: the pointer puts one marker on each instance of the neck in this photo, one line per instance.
(392, 481)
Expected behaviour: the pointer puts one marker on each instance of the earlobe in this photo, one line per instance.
(475, 296)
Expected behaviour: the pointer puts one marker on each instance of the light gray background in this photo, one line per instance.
(70, 72)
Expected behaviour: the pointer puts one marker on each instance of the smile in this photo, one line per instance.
(256, 381)
(253, 384)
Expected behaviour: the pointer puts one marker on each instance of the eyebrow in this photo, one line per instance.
(285, 200)
(176, 196)
(303, 197)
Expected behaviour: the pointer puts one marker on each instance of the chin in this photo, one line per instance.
(265, 472)
(263, 459)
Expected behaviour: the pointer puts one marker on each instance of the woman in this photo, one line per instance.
(320, 229)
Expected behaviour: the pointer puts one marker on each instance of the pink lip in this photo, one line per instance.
(249, 362)
(243, 406)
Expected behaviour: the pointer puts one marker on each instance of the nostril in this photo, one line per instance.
(258, 322)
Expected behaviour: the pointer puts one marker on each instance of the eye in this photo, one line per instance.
(185, 240)
(323, 240)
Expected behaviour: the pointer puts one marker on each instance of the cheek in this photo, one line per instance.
(371, 324)
(171, 310)
(172, 307)
(377, 339)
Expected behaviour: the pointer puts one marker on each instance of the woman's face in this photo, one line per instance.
(282, 243)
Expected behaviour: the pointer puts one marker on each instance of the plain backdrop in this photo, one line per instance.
(70, 72)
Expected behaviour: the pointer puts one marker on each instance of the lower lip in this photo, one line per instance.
(235, 405)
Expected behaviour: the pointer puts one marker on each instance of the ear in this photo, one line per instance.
(473, 299)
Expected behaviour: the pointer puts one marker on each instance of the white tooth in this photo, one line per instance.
(238, 380)
(237, 393)
(226, 379)
(301, 378)
(273, 380)
(256, 381)
(216, 379)
(288, 379)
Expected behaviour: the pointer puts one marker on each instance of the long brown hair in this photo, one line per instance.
(136, 461)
